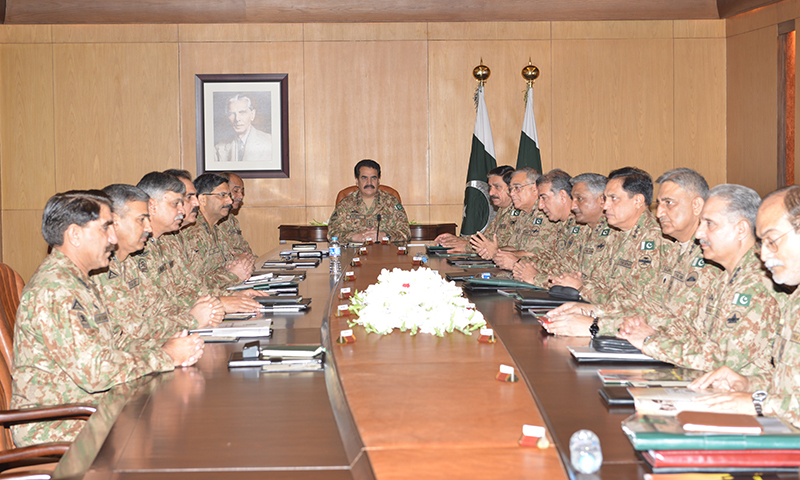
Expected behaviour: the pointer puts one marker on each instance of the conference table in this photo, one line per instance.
(392, 406)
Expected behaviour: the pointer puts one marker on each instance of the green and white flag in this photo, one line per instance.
(478, 211)
(528, 155)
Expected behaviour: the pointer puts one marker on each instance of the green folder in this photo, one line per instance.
(661, 432)
(502, 283)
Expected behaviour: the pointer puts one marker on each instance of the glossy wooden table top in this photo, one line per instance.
(430, 407)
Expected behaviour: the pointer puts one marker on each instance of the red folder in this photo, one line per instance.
(722, 458)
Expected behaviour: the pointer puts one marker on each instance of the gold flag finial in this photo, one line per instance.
(530, 73)
(481, 73)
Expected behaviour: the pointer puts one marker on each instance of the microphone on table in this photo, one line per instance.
(378, 231)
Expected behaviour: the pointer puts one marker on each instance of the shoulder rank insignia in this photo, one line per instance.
(77, 306)
(741, 299)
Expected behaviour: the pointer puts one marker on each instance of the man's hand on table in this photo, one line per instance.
(573, 279)
(208, 311)
(453, 243)
(184, 349)
(525, 271)
(238, 304)
(484, 247)
(635, 330)
(505, 260)
(568, 325)
(362, 237)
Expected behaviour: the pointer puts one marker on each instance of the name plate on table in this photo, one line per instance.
(343, 310)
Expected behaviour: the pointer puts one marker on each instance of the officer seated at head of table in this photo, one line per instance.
(65, 347)
(355, 218)
(731, 319)
(775, 390)
(499, 229)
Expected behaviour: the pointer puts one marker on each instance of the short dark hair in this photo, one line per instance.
(176, 172)
(501, 171)
(367, 163)
(207, 182)
(635, 181)
(558, 180)
(121, 194)
(75, 206)
(156, 184)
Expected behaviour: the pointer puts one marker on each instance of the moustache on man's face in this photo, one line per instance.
(196, 210)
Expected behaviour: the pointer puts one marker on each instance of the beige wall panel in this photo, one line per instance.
(418, 213)
(752, 109)
(753, 20)
(700, 105)
(787, 10)
(489, 31)
(318, 214)
(452, 109)
(699, 28)
(241, 32)
(116, 112)
(23, 245)
(114, 33)
(615, 29)
(322, 32)
(25, 33)
(277, 57)
(366, 100)
(612, 105)
(260, 225)
(26, 125)
(447, 214)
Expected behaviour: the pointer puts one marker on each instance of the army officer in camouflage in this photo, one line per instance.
(65, 350)
(775, 390)
(355, 218)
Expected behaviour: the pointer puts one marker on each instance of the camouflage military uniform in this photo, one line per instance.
(733, 324)
(501, 225)
(566, 238)
(64, 349)
(139, 313)
(531, 232)
(230, 232)
(208, 255)
(629, 264)
(352, 216)
(592, 244)
(783, 382)
(685, 277)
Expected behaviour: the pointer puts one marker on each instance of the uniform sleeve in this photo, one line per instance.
(337, 224)
(397, 226)
(741, 337)
(82, 347)
(231, 234)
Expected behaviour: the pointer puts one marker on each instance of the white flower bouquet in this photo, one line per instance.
(416, 300)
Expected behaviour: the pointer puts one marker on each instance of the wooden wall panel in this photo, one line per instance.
(116, 112)
(618, 29)
(752, 60)
(452, 108)
(612, 105)
(699, 105)
(25, 33)
(26, 128)
(699, 28)
(233, 32)
(23, 245)
(270, 57)
(321, 32)
(114, 33)
(260, 225)
(366, 100)
(489, 31)
(753, 20)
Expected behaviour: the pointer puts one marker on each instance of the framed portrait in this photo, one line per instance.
(243, 124)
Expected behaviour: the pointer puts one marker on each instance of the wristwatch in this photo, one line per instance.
(758, 402)
(594, 329)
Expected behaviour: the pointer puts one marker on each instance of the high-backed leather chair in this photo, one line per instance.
(11, 286)
(352, 188)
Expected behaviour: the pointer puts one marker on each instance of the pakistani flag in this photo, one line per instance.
(478, 211)
(528, 155)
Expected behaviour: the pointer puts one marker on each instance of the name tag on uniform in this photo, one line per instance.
(699, 262)
(741, 299)
(796, 337)
(133, 283)
(648, 245)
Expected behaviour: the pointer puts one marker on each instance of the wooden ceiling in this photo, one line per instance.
(301, 11)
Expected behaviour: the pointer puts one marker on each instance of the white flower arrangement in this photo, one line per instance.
(417, 300)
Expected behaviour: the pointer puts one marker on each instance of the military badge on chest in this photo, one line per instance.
(733, 320)
(142, 266)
